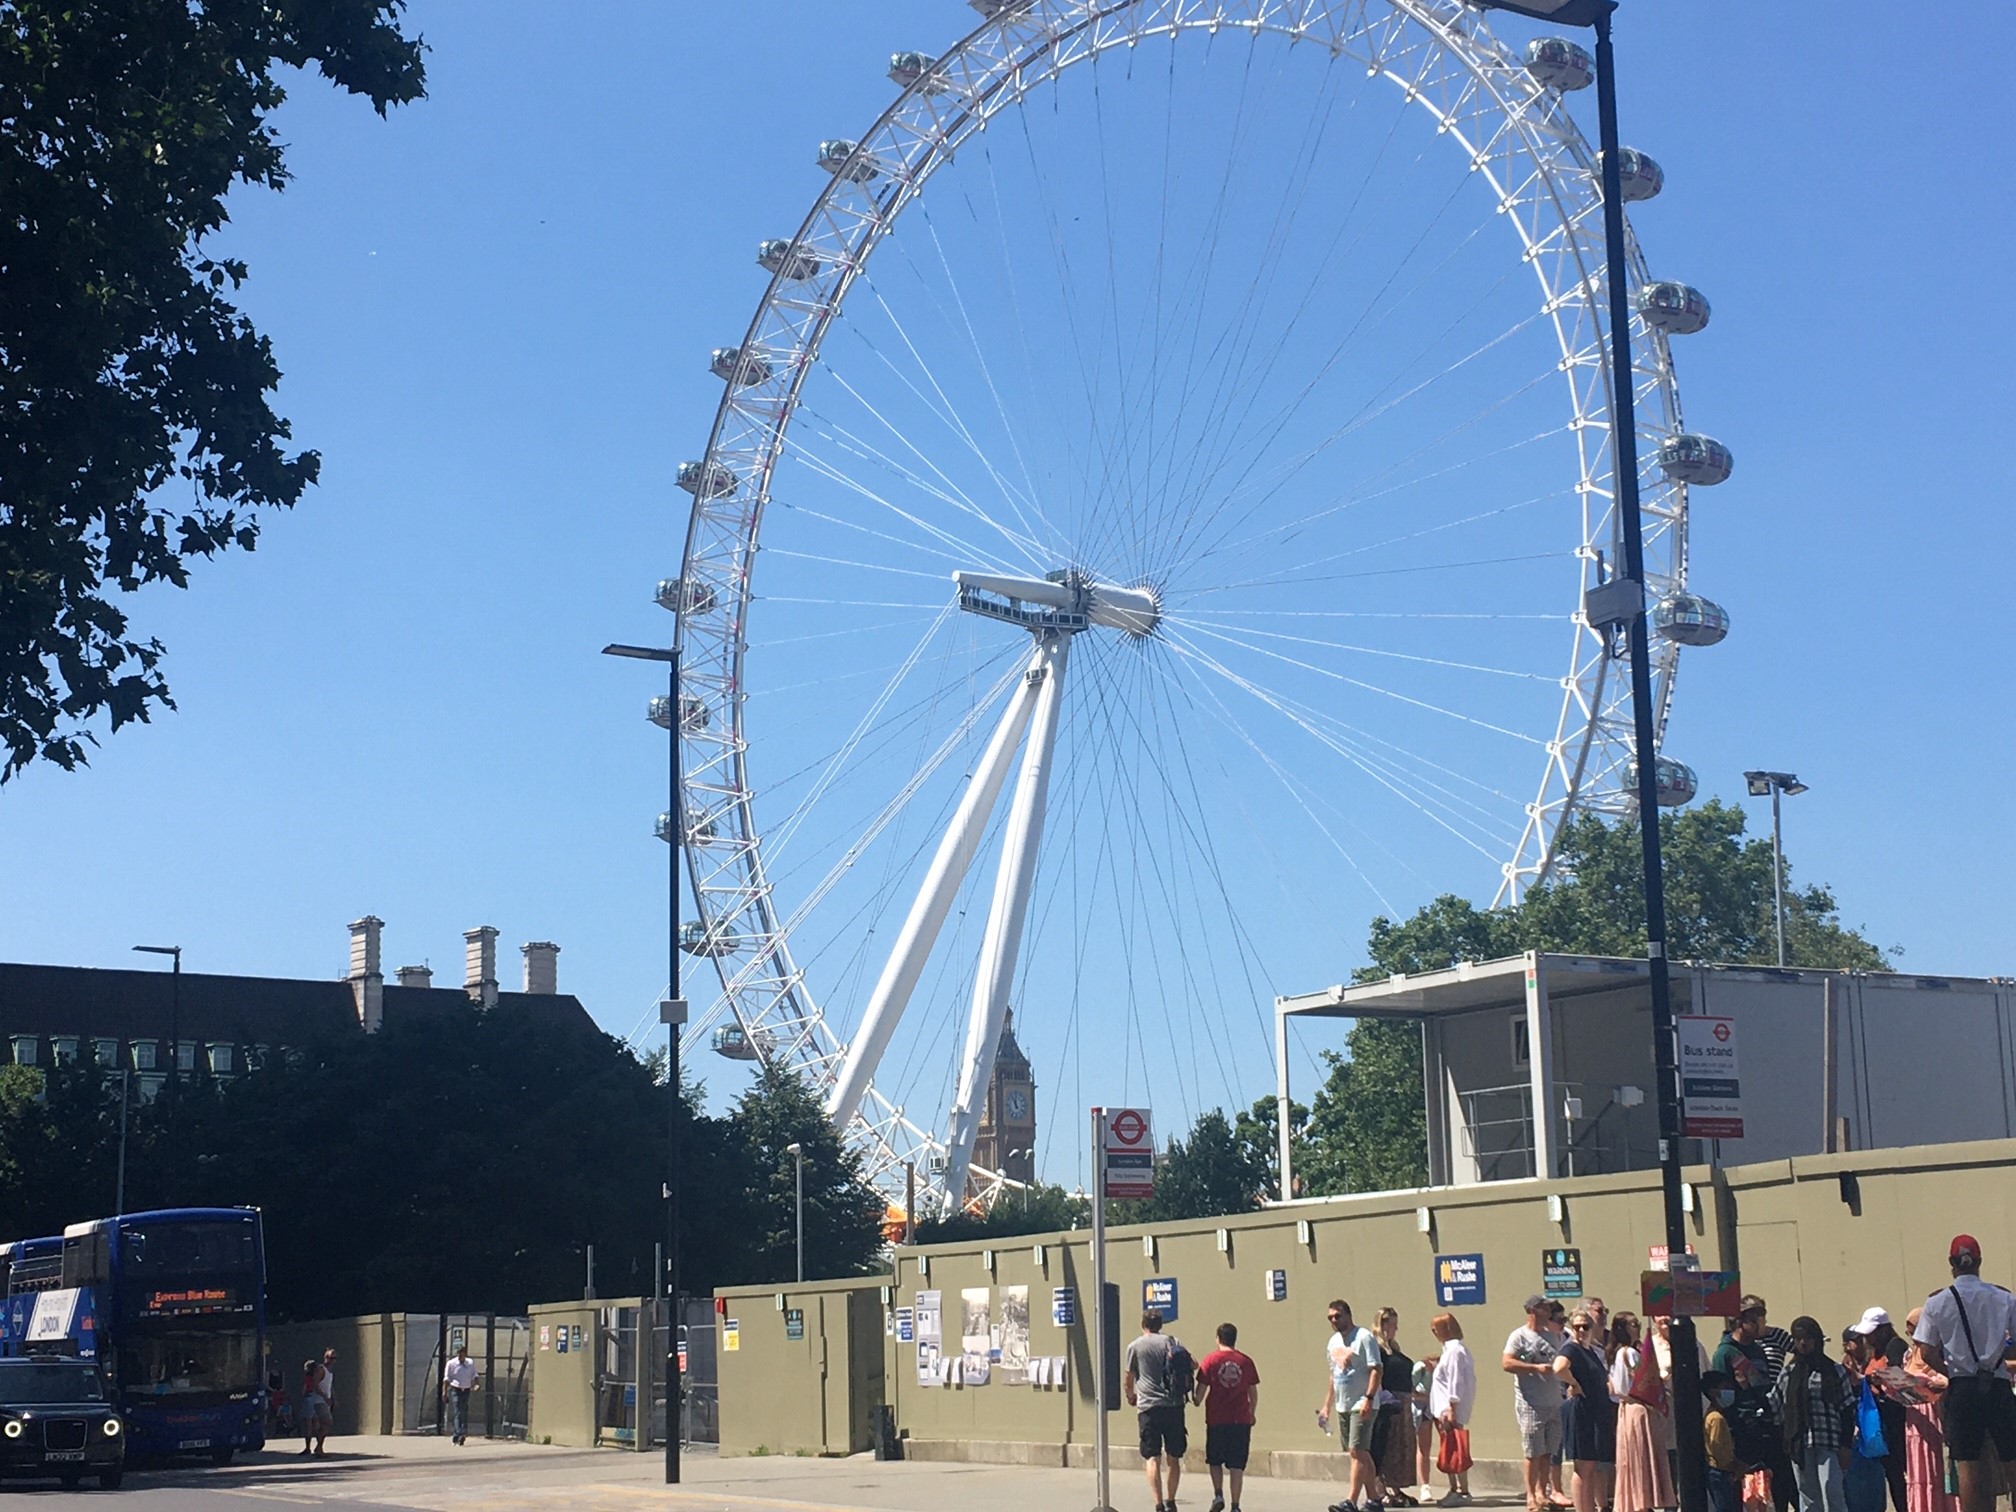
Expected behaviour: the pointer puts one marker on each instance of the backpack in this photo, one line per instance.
(1182, 1371)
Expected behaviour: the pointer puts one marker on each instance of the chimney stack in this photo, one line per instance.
(479, 964)
(542, 967)
(416, 976)
(367, 981)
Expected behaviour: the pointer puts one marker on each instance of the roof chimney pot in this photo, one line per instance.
(416, 976)
(479, 964)
(542, 967)
(367, 980)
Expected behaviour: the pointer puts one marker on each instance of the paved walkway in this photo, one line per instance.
(428, 1475)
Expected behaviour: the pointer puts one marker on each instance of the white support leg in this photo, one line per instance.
(1003, 941)
(934, 901)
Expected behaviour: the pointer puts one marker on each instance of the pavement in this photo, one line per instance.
(430, 1475)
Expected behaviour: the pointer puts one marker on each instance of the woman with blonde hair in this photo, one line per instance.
(1452, 1392)
(1393, 1428)
(1644, 1480)
(1588, 1416)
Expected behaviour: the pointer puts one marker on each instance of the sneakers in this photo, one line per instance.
(1217, 1503)
(1344, 1506)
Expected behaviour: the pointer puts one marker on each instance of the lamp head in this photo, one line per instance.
(1763, 784)
(1565, 12)
(794, 1149)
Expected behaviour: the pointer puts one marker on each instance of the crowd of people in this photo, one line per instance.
(1923, 1418)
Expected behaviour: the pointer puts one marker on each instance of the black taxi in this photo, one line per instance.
(57, 1420)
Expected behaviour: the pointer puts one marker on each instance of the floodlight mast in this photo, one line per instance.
(1052, 610)
(1778, 785)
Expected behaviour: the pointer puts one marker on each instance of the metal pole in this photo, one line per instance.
(675, 1392)
(1692, 1451)
(909, 1202)
(1778, 864)
(800, 1181)
(1098, 1350)
(489, 1376)
(119, 1196)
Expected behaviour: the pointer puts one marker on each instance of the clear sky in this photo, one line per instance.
(494, 310)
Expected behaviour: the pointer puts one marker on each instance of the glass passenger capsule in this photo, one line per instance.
(731, 365)
(992, 8)
(1694, 459)
(1637, 174)
(1560, 64)
(699, 832)
(696, 938)
(916, 70)
(785, 259)
(1687, 619)
(1677, 309)
(843, 159)
(705, 480)
(733, 1041)
(693, 712)
(694, 598)
(1674, 780)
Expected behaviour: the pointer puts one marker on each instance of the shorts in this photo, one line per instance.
(1162, 1432)
(1539, 1434)
(1978, 1410)
(1226, 1444)
(1354, 1428)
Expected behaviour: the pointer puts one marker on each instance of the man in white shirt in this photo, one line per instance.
(1355, 1366)
(1965, 1332)
(329, 1382)
(458, 1380)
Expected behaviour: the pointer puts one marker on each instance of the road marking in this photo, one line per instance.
(774, 1504)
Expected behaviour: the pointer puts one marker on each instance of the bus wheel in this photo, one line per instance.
(221, 1455)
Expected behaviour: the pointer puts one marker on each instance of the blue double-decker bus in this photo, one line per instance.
(172, 1304)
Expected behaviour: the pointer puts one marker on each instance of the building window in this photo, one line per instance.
(146, 1055)
(106, 1053)
(63, 1049)
(185, 1055)
(25, 1046)
(151, 1083)
(220, 1060)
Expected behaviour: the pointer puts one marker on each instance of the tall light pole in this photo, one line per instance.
(671, 1013)
(1629, 611)
(797, 1152)
(1778, 785)
(174, 1055)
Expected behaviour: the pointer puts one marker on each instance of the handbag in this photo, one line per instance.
(1453, 1455)
(1869, 1442)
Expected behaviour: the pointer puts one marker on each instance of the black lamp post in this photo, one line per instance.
(174, 1049)
(1692, 1451)
(1778, 785)
(671, 1013)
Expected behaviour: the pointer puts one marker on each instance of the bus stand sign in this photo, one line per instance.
(1127, 1164)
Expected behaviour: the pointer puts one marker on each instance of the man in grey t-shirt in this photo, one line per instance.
(1530, 1356)
(1150, 1385)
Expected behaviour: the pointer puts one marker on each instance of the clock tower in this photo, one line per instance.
(1006, 1139)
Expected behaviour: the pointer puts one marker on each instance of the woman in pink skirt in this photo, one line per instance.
(1643, 1480)
(1924, 1439)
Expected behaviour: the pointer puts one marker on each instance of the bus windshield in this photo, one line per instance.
(182, 1361)
(162, 1249)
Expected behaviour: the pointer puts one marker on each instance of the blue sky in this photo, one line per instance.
(493, 311)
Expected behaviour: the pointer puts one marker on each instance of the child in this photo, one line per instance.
(1725, 1471)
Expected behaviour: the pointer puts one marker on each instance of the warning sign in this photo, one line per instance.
(1127, 1164)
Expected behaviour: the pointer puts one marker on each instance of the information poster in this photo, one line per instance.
(1012, 1358)
(976, 1333)
(929, 1323)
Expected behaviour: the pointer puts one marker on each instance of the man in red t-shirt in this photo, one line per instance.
(1228, 1384)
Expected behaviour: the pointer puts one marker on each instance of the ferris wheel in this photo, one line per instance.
(1144, 533)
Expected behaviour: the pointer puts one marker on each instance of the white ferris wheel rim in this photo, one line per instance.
(1518, 135)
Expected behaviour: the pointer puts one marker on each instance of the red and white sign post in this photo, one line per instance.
(1123, 1153)
(1711, 1096)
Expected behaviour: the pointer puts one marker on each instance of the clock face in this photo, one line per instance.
(1018, 1105)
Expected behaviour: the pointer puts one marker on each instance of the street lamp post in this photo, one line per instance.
(174, 1058)
(1692, 1451)
(797, 1152)
(672, 1013)
(1778, 785)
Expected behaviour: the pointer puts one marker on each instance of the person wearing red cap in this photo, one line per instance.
(1965, 1334)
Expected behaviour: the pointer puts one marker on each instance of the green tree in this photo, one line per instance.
(1205, 1174)
(1367, 1127)
(843, 1214)
(140, 433)
(1260, 1136)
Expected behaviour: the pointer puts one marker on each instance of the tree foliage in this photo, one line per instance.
(1041, 1210)
(139, 429)
(1367, 1127)
(460, 1162)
